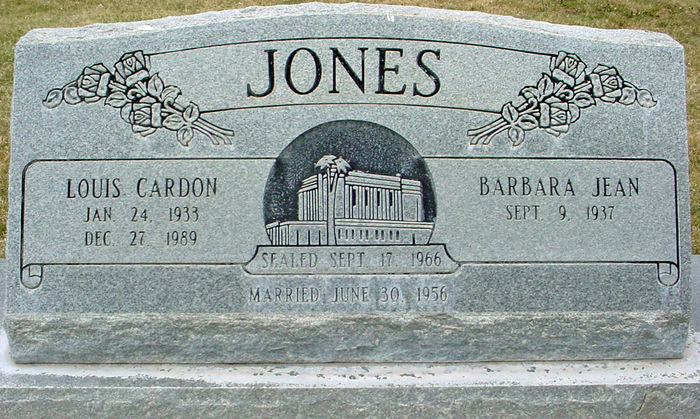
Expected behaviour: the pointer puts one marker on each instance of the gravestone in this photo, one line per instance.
(353, 183)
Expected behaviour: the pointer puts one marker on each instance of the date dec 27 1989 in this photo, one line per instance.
(131, 216)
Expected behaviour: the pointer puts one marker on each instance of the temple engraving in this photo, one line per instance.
(342, 206)
(350, 197)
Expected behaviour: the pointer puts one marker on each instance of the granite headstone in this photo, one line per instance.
(349, 183)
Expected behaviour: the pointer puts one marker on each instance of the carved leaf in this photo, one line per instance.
(155, 86)
(527, 122)
(191, 113)
(174, 122)
(185, 135)
(575, 112)
(53, 98)
(645, 99)
(529, 92)
(70, 95)
(125, 113)
(170, 93)
(628, 96)
(509, 113)
(583, 100)
(516, 135)
(545, 86)
(116, 100)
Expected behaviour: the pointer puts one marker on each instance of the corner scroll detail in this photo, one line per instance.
(32, 276)
(145, 102)
(557, 99)
(668, 273)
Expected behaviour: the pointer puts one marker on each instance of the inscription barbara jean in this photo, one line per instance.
(556, 186)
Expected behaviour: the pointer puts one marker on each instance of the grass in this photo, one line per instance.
(680, 19)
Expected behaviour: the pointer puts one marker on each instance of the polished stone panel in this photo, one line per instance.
(347, 183)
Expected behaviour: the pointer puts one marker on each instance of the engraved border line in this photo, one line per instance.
(337, 38)
(436, 157)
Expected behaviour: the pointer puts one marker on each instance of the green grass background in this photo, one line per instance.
(680, 19)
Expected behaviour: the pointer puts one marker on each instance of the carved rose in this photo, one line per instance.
(606, 83)
(143, 99)
(145, 117)
(556, 116)
(93, 84)
(132, 68)
(567, 68)
(557, 99)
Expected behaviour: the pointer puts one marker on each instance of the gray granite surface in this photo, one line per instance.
(347, 183)
(602, 389)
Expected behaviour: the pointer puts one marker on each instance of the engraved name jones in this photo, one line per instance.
(387, 64)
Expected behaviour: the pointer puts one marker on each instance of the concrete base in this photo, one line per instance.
(615, 389)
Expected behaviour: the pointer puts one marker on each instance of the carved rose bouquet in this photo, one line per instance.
(557, 99)
(145, 102)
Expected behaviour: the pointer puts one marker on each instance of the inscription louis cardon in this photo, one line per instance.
(396, 174)
(144, 188)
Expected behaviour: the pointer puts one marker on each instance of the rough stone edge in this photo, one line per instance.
(625, 401)
(387, 337)
(111, 30)
(615, 389)
(624, 389)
